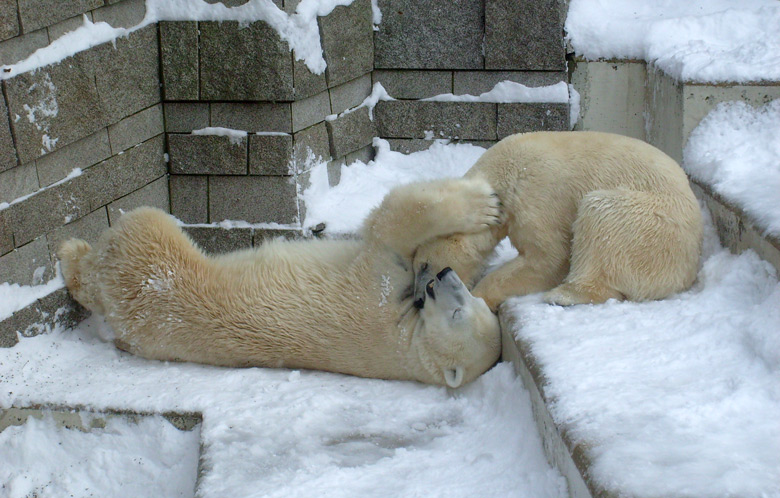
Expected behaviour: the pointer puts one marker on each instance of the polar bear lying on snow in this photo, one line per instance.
(594, 216)
(344, 306)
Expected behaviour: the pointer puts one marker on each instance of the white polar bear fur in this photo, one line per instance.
(341, 306)
(593, 216)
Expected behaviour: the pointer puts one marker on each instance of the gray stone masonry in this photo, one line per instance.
(9, 20)
(414, 119)
(350, 132)
(62, 27)
(215, 240)
(189, 198)
(179, 60)
(350, 94)
(311, 143)
(183, 117)
(29, 264)
(409, 145)
(55, 308)
(87, 227)
(348, 42)
(413, 84)
(18, 181)
(437, 34)
(522, 118)
(124, 14)
(310, 111)
(207, 155)
(6, 234)
(256, 59)
(478, 82)
(82, 154)
(20, 47)
(135, 129)
(254, 199)
(7, 151)
(524, 34)
(36, 14)
(154, 194)
(305, 82)
(252, 116)
(270, 154)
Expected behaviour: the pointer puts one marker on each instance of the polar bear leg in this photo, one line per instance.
(415, 213)
(75, 257)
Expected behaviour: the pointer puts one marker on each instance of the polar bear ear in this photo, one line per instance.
(454, 376)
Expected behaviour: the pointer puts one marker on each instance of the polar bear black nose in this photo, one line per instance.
(441, 274)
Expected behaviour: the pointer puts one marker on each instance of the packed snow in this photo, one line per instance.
(735, 150)
(14, 297)
(699, 40)
(679, 397)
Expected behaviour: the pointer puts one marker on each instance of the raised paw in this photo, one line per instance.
(475, 206)
(570, 294)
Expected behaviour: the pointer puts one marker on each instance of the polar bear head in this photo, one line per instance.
(457, 337)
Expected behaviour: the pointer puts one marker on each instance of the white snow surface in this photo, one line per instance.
(235, 136)
(510, 91)
(679, 397)
(735, 149)
(14, 297)
(698, 40)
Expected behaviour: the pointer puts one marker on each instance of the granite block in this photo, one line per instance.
(125, 173)
(7, 149)
(127, 76)
(244, 63)
(437, 34)
(35, 14)
(155, 194)
(478, 82)
(252, 116)
(255, 199)
(207, 155)
(70, 24)
(189, 198)
(310, 111)
(453, 120)
(56, 106)
(9, 20)
(19, 48)
(81, 154)
(217, 240)
(363, 155)
(270, 154)
(305, 82)
(522, 118)
(135, 129)
(17, 182)
(310, 146)
(179, 59)
(88, 227)
(411, 84)
(124, 14)
(348, 42)
(27, 265)
(350, 132)
(524, 34)
(6, 233)
(350, 94)
(185, 117)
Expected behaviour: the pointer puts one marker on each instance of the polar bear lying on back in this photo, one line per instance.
(593, 215)
(343, 306)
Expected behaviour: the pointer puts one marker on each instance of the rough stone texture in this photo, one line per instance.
(55, 308)
(48, 209)
(9, 20)
(409, 145)
(82, 154)
(189, 198)
(18, 181)
(128, 77)
(154, 194)
(348, 42)
(124, 14)
(185, 117)
(305, 82)
(309, 146)
(252, 116)
(414, 84)
(521, 118)
(250, 63)
(23, 265)
(255, 199)
(363, 155)
(62, 27)
(87, 227)
(6, 234)
(135, 129)
(414, 119)
(7, 150)
(350, 94)
(270, 154)
(478, 82)
(350, 132)
(438, 34)
(70, 88)
(19, 48)
(36, 14)
(217, 240)
(207, 155)
(125, 173)
(310, 111)
(524, 34)
(179, 58)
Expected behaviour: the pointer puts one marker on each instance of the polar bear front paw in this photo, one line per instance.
(472, 206)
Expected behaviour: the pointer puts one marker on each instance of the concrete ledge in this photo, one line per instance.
(41, 316)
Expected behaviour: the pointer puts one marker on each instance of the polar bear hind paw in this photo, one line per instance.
(476, 205)
(569, 294)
